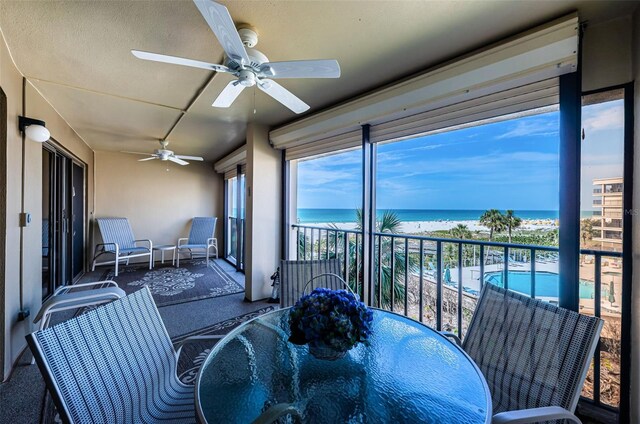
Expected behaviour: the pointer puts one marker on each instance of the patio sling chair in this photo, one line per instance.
(294, 276)
(77, 296)
(114, 364)
(534, 355)
(201, 238)
(119, 241)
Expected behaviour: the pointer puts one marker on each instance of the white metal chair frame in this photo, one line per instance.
(77, 296)
(212, 243)
(201, 228)
(90, 295)
(78, 331)
(101, 249)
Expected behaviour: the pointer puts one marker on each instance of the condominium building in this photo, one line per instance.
(607, 200)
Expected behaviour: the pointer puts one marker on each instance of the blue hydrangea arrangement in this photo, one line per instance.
(331, 318)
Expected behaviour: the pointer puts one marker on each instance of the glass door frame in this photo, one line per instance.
(234, 209)
(60, 236)
(627, 246)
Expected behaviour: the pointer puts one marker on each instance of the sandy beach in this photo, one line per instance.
(417, 227)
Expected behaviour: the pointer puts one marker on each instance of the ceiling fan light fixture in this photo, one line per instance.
(247, 78)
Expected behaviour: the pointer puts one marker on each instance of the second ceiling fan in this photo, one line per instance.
(165, 154)
(249, 66)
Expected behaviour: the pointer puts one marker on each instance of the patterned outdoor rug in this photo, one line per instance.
(194, 353)
(170, 285)
(191, 358)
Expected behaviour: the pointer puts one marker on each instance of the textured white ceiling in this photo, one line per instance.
(78, 55)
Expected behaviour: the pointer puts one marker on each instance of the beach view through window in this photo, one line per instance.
(601, 229)
(464, 207)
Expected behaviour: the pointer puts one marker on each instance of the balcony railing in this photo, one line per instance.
(613, 189)
(614, 223)
(437, 280)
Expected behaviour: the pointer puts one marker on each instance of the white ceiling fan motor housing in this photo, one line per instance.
(249, 36)
(256, 57)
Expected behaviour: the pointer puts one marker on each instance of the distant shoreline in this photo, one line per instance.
(417, 227)
(308, 216)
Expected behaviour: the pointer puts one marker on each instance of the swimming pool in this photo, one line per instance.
(546, 284)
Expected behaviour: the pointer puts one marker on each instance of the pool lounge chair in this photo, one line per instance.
(534, 355)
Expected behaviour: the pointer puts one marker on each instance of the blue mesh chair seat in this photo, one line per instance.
(201, 238)
(126, 250)
(115, 364)
(534, 355)
(118, 240)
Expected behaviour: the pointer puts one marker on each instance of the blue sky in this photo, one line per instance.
(603, 146)
(505, 165)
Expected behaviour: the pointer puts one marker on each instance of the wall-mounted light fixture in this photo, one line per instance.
(34, 129)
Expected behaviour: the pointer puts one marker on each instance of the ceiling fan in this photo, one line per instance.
(249, 66)
(164, 154)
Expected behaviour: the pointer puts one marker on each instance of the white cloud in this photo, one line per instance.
(603, 118)
(531, 128)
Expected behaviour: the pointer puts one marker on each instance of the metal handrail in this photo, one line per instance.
(347, 245)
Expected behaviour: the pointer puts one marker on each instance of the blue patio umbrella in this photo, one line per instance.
(447, 275)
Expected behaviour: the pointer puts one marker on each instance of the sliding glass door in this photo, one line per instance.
(63, 188)
(604, 208)
(235, 218)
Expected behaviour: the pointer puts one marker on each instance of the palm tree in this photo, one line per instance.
(461, 232)
(391, 224)
(586, 230)
(511, 221)
(494, 221)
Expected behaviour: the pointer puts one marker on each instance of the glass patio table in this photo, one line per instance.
(408, 373)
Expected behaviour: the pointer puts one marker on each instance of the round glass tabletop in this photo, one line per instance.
(408, 373)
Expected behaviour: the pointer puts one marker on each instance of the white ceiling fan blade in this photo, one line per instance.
(137, 153)
(283, 95)
(220, 22)
(228, 95)
(178, 161)
(146, 159)
(198, 158)
(155, 57)
(302, 69)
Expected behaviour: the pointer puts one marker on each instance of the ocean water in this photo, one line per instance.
(306, 215)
